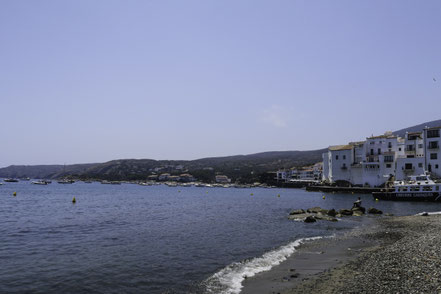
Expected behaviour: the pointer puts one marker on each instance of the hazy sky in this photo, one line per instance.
(90, 81)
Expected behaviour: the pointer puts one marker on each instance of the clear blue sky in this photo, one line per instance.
(91, 81)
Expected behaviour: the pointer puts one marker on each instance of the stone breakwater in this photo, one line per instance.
(407, 259)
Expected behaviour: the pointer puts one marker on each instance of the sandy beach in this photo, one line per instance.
(392, 255)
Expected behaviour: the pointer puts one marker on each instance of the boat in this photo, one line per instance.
(10, 180)
(65, 181)
(41, 182)
(416, 188)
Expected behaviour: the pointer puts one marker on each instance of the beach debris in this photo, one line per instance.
(74, 200)
(296, 275)
(14, 194)
(424, 214)
(373, 210)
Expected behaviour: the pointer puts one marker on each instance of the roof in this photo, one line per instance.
(382, 137)
(433, 128)
(357, 143)
(340, 147)
(414, 133)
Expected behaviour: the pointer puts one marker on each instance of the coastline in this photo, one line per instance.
(394, 254)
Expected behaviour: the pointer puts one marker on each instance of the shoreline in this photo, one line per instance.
(393, 254)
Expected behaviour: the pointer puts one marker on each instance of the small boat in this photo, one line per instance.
(41, 182)
(10, 180)
(416, 188)
(65, 181)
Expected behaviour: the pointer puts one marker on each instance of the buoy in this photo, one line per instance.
(278, 195)
(324, 197)
(74, 200)
(376, 199)
(179, 191)
(251, 194)
(15, 193)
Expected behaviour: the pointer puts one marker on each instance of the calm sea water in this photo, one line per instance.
(158, 239)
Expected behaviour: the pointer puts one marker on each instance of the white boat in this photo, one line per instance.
(41, 182)
(416, 188)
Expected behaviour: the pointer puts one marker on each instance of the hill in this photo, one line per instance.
(418, 128)
(43, 171)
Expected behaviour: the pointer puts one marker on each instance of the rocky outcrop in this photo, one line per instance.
(373, 210)
(310, 219)
(345, 212)
(296, 211)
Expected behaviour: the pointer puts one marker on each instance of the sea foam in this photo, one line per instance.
(229, 279)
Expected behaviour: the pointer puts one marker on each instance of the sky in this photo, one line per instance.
(90, 81)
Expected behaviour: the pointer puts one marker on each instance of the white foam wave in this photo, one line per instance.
(229, 279)
(430, 213)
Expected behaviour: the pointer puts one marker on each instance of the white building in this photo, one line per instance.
(380, 158)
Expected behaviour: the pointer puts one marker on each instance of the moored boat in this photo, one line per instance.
(65, 181)
(41, 182)
(417, 188)
(10, 180)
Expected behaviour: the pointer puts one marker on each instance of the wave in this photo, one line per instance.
(229, 279)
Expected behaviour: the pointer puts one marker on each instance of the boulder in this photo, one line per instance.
(321, 216)
(361, 209)
(296, 211)
(310, 219)
(315, 209)
(345, 212)
(357, 213)
(373, 210)
(425, 214)
(300, 216)
(332, 212)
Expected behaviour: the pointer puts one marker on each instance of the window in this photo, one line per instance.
(344, 156)
(379, 150)
(388, 158)
(388, 165)
(420, 146)
(433, 133)
(433, 156)
(399, 149)
(409, 148)
(336, 157)
(436, 165)
(389, 145)
(433, 145)
(414, 189)
(427, 188)
(408, 166)
(437, 188)
(420, 164)
(372, 151)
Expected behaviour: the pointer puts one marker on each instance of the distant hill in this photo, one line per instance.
(417, 128)
(43, 171)
(244, 168)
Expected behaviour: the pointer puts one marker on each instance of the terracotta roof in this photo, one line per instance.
(340, 147)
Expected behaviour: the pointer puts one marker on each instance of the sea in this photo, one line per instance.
(157, 239)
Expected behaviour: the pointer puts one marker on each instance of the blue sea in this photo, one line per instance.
(156, 239)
